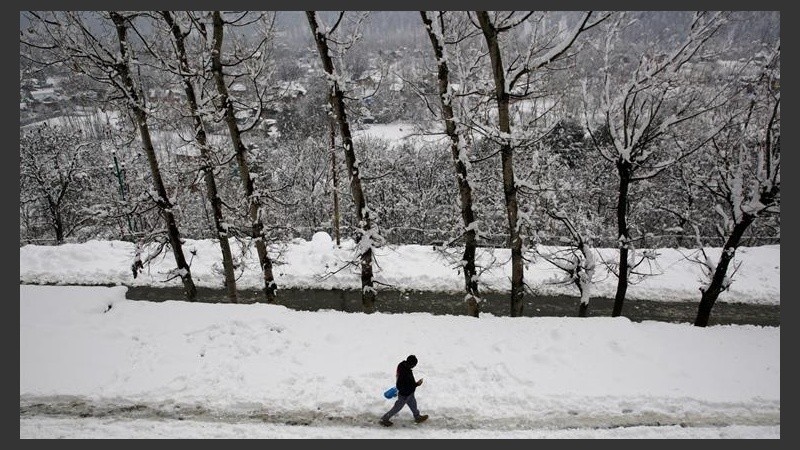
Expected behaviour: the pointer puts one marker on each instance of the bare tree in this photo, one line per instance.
(745, 175)
(187, 76)
(322, 36)
(75, 38)
(334, 183)
(53, 176)
(577, 261)
(460, 158)
(229, 116)
(505, 81)
(643, 111)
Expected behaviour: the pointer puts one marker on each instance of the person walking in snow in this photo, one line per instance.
(406, 385)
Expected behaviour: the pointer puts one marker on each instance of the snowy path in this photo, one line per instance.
(40, 427)
(658, 413)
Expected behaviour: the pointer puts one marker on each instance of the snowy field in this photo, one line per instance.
(94, 365)
(399, 133)
(310, 264)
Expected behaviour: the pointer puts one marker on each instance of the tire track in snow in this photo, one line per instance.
(717, 415)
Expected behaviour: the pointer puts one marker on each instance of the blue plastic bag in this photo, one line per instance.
(391, 392)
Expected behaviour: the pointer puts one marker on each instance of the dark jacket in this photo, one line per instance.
(406, 384)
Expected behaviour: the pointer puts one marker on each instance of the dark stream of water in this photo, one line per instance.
(440, 303)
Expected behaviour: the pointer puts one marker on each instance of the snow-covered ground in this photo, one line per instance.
(114, 428)
(95, 365)
(311, 264)
(135, 369)
(399, 133)
(78, 121)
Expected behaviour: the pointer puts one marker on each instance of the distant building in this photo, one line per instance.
(53, 81)
(291, 89)
(244, 116)
(45, 95)
(368, 80)
(185, 154)
(165, 94)
(270, 127)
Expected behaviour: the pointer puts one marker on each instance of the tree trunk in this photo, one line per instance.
(507, 158)
(460, 161)
(165, 206)
(711, 294)
(583, 310)
(583, 307)
(55, 220)
(336, 99)
(256, 225)
(59, 227)
(207, 168)
(120, 177)
(624, 170)
(335, 180)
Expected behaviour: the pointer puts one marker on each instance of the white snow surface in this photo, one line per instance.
(398, 133)
(311, 264)
(96, 365)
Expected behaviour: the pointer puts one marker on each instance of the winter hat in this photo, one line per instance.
(412, 360)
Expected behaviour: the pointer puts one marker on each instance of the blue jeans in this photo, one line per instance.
(401, 401)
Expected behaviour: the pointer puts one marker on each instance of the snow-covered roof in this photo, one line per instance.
(291, 88)
(187, 151)
(44, 94)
